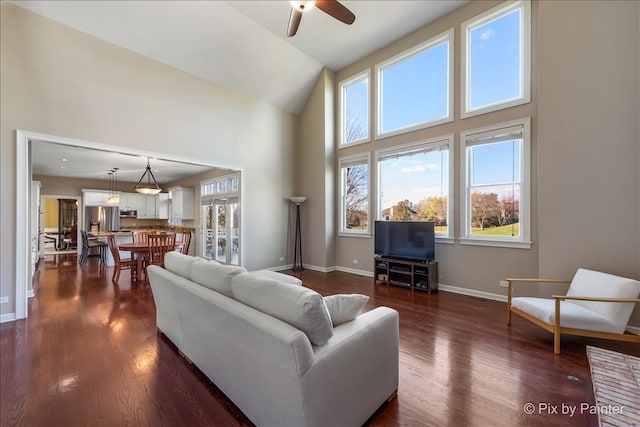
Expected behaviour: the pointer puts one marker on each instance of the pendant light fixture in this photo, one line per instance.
(114, 197)
(148, 187)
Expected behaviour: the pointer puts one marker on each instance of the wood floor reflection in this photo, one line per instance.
(89, 354)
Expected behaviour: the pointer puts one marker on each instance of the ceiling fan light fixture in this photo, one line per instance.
(303, 5)
(148, 187)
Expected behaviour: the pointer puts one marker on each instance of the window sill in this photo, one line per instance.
(496, 243)
(445, 240)
(366, 235)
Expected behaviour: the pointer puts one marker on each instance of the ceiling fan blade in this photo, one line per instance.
(294, 22)
(337, 10)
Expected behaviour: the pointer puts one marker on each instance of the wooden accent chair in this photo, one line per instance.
(186, 241)
(159, 245)
(119, 263)
(596, 305)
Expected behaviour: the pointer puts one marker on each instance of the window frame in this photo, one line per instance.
(525, 57)
(344, 162)
(524, 240)
(342, 111)
(447, 36)
(435, 143)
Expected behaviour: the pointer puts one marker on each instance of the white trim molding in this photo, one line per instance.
(23, 250)
(7, 317)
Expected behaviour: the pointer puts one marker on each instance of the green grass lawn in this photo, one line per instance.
(505, 230)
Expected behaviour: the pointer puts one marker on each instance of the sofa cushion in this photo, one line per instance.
(278, 277)
(300, 307)
(215, 276)
(345, 307)
(180, 264)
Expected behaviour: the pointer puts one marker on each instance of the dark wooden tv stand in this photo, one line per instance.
(421, 276)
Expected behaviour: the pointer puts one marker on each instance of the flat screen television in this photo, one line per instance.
(410, 240)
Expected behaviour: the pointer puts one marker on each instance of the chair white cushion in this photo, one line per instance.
(571, 315)
(589, 283)
(345, 307)
(300, 307)
(215, 276)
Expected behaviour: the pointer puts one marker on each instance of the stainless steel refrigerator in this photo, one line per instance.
(101, 218)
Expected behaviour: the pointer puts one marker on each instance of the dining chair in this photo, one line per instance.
(89, 245)
(186, 241)
(159, 245)
(140, 236)
(119, 263)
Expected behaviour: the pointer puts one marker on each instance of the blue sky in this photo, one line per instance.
(415, 91)
(414, 177)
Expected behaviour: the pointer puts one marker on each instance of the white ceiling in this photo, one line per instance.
(67, 161)
(241, 45)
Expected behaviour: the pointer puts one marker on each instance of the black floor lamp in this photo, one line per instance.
(297, 252)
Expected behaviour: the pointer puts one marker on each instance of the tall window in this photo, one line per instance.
(354, 210)
(415, 88)
(414, 184)
(354, 109)
(496, 59)
(496, 196)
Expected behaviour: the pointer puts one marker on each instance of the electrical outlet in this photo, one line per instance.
(355, 261)
(504, 284)
(4, 300)
(281, 258)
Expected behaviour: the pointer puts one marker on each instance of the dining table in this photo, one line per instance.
(139, 251)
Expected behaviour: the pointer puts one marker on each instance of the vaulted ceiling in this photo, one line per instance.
(243, 45)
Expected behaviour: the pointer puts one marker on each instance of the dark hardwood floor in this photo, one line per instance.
(89, 355)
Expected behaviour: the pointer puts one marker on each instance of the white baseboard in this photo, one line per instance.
(281, 267)
(634, 329)
(354, 271)
(306, 266)
(320, 269)
(8, 317)
(472, 292)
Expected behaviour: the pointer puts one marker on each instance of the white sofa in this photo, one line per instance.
(229, 323)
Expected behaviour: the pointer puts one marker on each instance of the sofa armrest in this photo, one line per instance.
(355, 372)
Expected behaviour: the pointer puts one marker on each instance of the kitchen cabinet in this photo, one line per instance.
(162, 206)
(181, 203)
(100, 198)
(131, 201)
(147, 207)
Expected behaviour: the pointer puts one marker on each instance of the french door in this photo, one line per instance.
(222, 230)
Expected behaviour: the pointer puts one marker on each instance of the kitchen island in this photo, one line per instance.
(121, 237)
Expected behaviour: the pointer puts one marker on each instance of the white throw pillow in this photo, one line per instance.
(215, 276)
(300, 307)
(345, 307)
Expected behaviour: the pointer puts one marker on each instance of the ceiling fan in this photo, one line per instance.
(330, 7)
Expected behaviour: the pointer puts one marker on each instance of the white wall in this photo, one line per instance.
(589, 138)
(58, 81)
